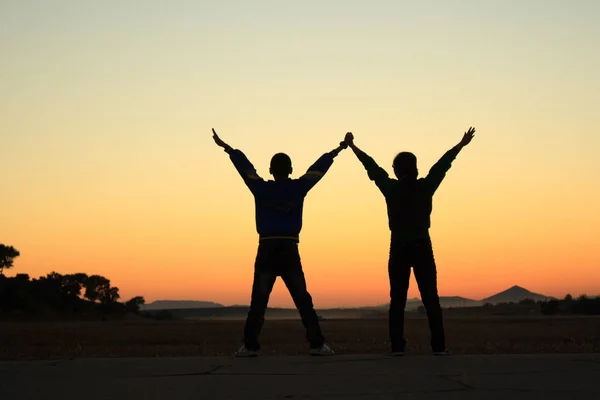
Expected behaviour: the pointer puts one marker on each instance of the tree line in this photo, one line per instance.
(583, 305)
(59, 295)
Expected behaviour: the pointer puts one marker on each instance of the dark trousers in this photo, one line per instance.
(417, 254)
(280, 257)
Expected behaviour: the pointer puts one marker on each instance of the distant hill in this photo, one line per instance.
(445, 302)
(514, 294)
(387, 305)
(241, 312)
(457, 301)
(179, 304)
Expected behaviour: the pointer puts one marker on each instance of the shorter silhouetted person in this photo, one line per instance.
(409, 205)
(278, 212)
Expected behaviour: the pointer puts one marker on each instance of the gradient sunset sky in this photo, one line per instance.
(109, 167)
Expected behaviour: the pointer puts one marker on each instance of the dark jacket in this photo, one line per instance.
(409, 200)
(279, 204)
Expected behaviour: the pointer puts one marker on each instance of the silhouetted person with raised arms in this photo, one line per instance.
(279, 204)
(409, 205)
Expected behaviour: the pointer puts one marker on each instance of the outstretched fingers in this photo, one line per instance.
(468, 136)
(218, 140)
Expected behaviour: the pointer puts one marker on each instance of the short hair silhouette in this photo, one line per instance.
(281, 165)
(405, 165)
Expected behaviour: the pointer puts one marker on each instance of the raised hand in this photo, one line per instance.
(219, 141)
(349, 138)
(467, 137)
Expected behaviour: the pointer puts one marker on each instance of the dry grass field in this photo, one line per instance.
(146, 338)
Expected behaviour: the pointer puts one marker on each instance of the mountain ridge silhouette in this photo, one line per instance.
(179, 304)
(513, 294)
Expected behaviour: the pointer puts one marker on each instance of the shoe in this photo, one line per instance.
(324, 350)
(397, 353)
(245, 352)
(445, 352)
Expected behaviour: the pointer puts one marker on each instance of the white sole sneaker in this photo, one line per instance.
(244, 352)
(322, 351)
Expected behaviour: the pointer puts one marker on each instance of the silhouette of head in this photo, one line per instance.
(281, 166)
(405, 165)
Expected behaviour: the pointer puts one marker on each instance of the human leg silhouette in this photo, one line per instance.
(262, 285)
(426, 276)
(296, 285)
(295, 281)
(261, 290)
(399, 274)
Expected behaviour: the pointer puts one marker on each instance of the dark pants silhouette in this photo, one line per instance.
(280, 257)
(417, 254)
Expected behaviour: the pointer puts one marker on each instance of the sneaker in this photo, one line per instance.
(397, 353)
(324, 350)
(445, 352)
(245, 352)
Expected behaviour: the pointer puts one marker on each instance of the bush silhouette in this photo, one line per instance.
(72, 295)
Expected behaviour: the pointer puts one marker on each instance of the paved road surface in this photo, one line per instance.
(340, 377)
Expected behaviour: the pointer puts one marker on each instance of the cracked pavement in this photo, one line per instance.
(349, 377)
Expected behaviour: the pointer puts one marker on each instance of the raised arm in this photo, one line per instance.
(316, 171)
(241, 163)
(437, 173)
(374, 171)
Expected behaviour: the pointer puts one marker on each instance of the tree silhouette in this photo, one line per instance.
(109, 295)
(62, 296)
(550, 307)
(73, 284)
(96, 287)
(134, 305)
(7, 256)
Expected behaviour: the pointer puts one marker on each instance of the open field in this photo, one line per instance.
(146, 338)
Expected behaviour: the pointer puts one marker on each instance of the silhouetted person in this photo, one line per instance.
(279, 204)
(409, 205)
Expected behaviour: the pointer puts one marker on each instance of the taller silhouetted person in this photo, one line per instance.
(278, 212)
(409, 205)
